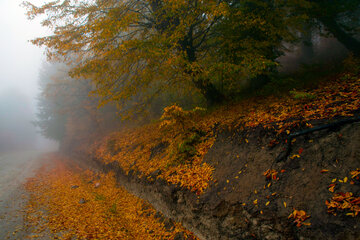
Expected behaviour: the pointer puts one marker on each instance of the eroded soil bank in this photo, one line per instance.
(242, 203)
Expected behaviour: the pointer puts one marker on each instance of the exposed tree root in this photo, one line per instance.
(283, 155)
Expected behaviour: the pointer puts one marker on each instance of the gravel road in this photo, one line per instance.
(15, 168)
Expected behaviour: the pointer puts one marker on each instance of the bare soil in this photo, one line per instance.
(235, 205)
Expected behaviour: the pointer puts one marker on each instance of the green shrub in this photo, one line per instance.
(113, 209)
(301, 95)
(99, 197)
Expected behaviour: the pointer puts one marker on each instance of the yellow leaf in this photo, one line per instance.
(285, 204)
(332, 187)
(267, 203)
(334, 180)
(255, 201)
(345, 179)
(295, 156)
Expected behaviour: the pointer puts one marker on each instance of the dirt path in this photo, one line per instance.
(15, 168)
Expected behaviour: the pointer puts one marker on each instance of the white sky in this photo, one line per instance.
(19, 59)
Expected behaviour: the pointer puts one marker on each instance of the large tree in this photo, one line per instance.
(136, 49)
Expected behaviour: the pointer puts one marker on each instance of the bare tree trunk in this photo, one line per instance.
(211, 94)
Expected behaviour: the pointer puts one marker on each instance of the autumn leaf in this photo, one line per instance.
(295, 156)
(332, 187)
(299, 216)
(355, 173)
(271, 174)
(344, 202)
(105, 209)
(300, 151)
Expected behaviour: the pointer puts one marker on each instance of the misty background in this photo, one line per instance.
(20, 62)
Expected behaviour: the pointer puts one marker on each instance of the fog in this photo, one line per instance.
(19, 67)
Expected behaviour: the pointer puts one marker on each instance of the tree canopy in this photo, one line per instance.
(137, 49)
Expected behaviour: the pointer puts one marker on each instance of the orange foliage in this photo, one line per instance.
(340, 97)
(88, 206)
(344, 202)
(133, 148)
(271, 174)
(299, 217)
(355, 174)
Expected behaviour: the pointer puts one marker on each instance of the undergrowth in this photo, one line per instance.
(190, 134)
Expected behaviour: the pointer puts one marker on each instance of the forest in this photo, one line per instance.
(236, 118)
(134, 58)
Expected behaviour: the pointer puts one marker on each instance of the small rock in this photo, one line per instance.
(82, 201)
(97, 185)
(180, 199)
(156, 173)
(254, 222)
(74, 186)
